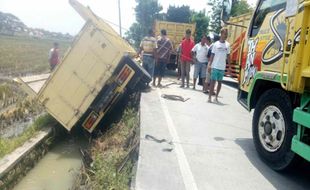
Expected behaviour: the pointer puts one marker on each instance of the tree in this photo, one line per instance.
(135, 34)
(146, 13)
(178, 14)
(215, 21)
(240, 7)
(202, 24)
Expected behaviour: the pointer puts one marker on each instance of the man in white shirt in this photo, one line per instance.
(217, 65)
(200, 52)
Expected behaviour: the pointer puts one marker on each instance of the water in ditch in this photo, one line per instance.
(57, 169)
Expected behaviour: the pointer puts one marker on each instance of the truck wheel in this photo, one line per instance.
(273, 129)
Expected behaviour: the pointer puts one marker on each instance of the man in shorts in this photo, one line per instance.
(200, 52)
(163, 55)
(217, 65)
(208, 78)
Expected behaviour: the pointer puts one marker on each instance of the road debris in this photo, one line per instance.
(174, 97)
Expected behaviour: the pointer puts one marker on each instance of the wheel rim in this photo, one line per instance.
(271, 128)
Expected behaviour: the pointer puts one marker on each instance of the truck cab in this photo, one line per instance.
(275, 80)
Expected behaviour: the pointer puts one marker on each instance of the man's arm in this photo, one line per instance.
(211, 59)
(181, 50)
(193, 53)
(140, 48)
(210, 62)
(228, 54)
(155, 46)
(155, 53)
(170, 49)
(228, 59)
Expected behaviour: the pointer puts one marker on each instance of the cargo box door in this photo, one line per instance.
(32, 84)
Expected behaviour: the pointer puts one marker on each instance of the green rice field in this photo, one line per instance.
(24, 55)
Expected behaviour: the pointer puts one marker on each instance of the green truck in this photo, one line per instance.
(275, 80)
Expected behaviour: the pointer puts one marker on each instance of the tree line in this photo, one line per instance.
(147, 11)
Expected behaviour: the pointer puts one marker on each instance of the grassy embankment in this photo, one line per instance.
(7, 145)
(114, 153)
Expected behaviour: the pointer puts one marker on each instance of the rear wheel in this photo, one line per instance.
(273, 129)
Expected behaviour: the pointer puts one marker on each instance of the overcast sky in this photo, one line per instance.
(59, 16)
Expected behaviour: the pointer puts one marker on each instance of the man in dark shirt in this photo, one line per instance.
(163, 55)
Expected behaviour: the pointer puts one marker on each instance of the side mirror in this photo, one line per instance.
(291, 8)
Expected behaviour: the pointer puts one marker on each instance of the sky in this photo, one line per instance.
(59, 16)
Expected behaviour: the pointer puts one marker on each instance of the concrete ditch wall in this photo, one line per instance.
(14, 167)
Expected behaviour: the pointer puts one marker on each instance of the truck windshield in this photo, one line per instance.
(271, 4)
(265, 7)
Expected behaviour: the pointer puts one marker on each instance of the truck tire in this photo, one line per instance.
(273, 129)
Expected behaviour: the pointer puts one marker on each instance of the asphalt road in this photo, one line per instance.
(198, 145)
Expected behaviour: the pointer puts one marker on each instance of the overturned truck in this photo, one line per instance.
(92, 76)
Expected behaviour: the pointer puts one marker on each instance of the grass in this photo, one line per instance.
(21, 55)
(8, 145)
(5, 91)
(112, 166)
(19, 112)
(10, 93)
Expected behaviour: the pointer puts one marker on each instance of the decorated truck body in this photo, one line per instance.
(237, 27)
(275, 80)
(92, 76)
(175, 32)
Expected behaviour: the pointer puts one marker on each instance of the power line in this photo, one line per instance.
(119, 18)
(117, 25)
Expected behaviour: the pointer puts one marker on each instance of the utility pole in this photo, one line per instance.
(120, 18)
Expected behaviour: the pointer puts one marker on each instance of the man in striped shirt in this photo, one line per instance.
(163, 55)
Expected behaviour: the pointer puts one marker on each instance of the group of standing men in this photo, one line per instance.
(209, 59)
(156, 54)
(209, 62)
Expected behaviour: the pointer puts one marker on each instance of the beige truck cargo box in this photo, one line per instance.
(175, 31)
(86, 68)
(235, 28)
